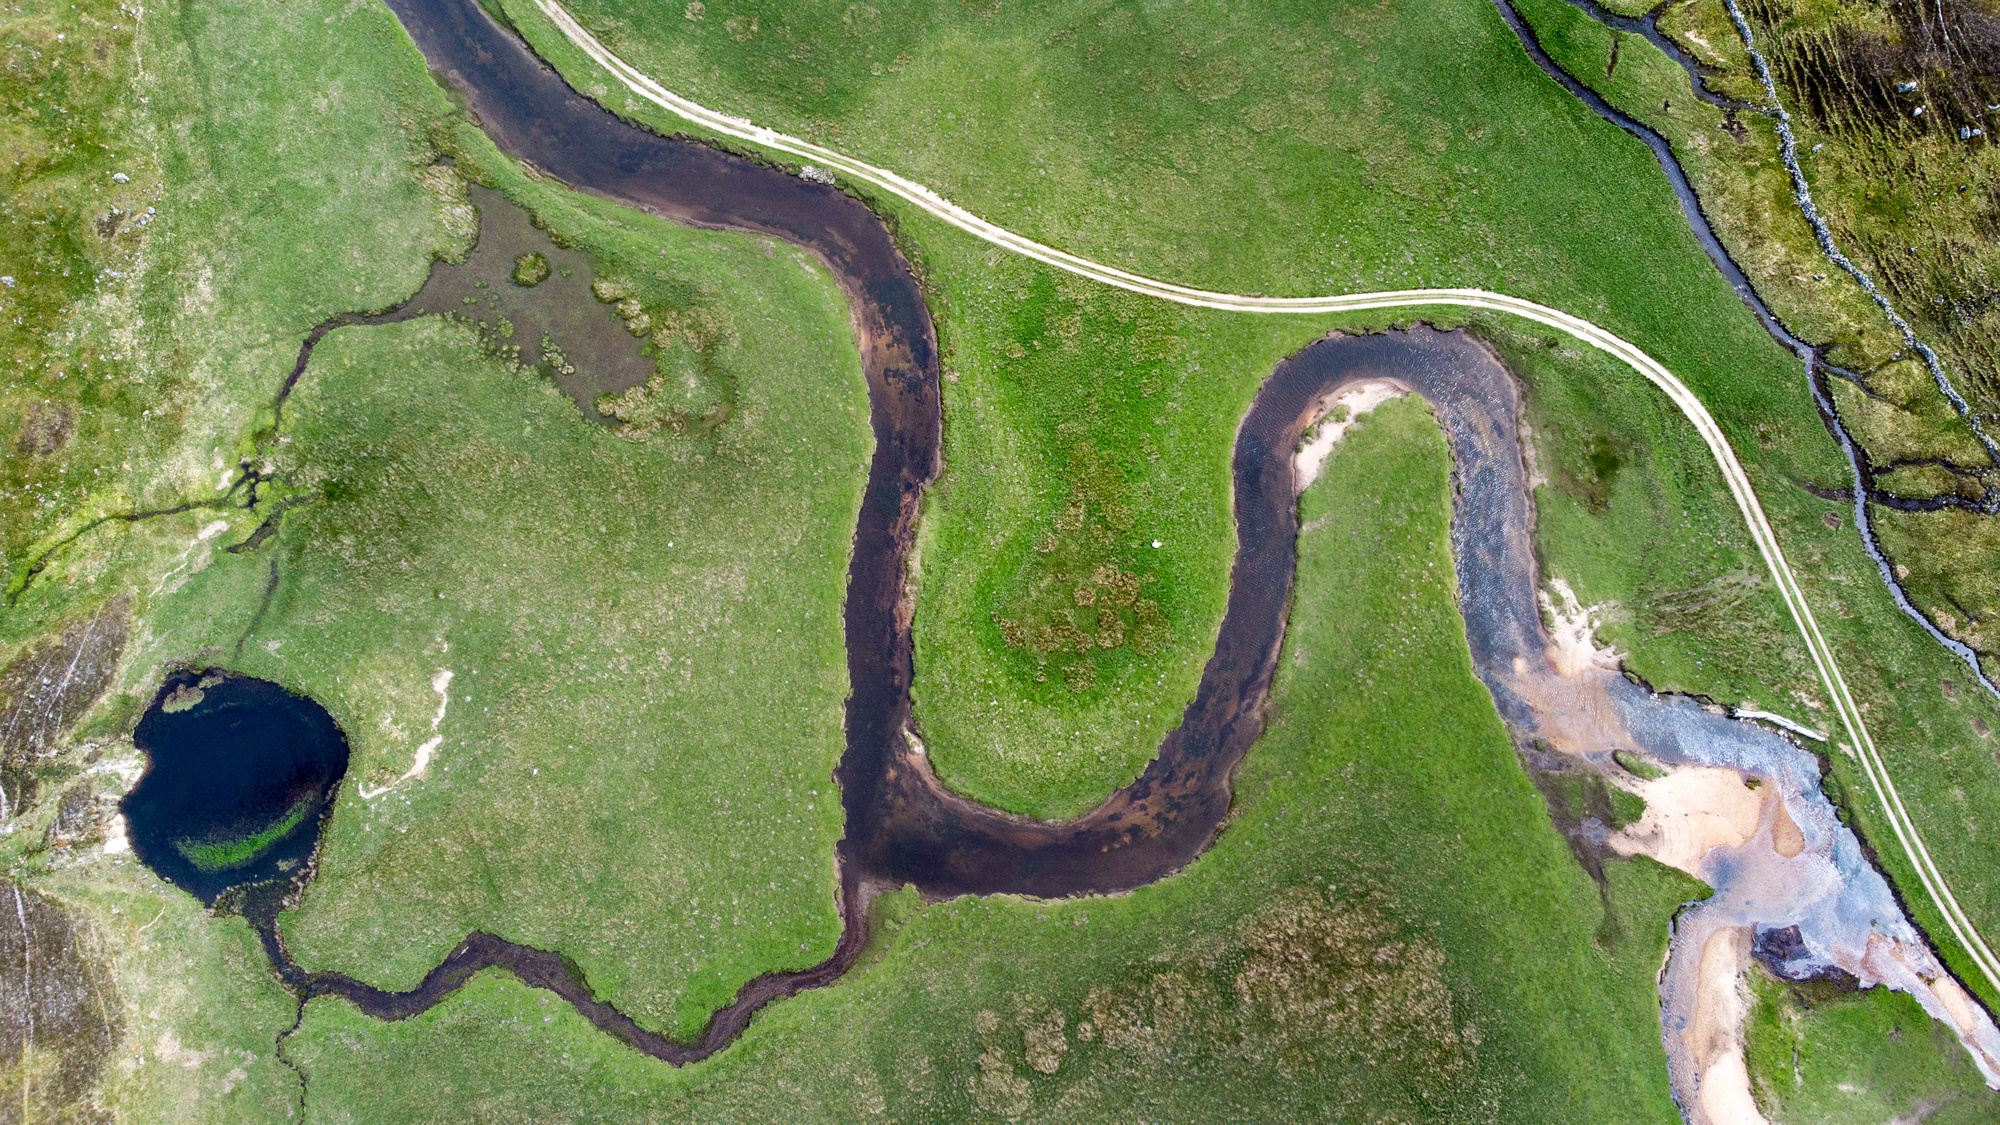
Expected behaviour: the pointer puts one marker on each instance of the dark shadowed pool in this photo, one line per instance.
(239, 775)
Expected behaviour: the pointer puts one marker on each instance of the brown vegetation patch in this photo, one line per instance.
(57, 1011)
(45, 690)
(530, 270)
(1075, 598)
(1846, 76)
(1315, 975)
(46, 430)
(77, 817)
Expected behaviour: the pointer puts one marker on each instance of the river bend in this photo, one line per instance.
(903, 827)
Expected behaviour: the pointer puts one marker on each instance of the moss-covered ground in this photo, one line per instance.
(174, 215)
(1334, 957)
(64, 222)
(218, 856)
(229, 248)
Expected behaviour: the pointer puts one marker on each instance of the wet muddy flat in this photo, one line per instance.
(556, 323)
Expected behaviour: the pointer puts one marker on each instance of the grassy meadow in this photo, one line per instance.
(1933, 722)
(1270, 149)
(644, 638)
(1389, 929)
(226, 249)
(416, 460)
(1821, 1055)
(1893, 193)
(607, 781)
(1437, 169)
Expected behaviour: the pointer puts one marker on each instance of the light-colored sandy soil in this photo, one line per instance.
(1572, 627)
(440, 683)
(1723, 1095)
(1786, 838)
(1692, 810)
(1359, 399)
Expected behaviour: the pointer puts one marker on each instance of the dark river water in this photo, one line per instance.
(902, 826)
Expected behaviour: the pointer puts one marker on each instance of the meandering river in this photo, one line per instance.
(1827, 907)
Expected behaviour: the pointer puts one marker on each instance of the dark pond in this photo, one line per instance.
(240, 773)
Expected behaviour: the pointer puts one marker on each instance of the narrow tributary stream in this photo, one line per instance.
(1818, 370)
(902, 826)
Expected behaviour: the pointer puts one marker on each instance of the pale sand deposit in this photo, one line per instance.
(1359, 399)
(1572, 631)
(1692, 810)
(440, 683)
(1786, 838)
(1723, 1094)
(1573, 710)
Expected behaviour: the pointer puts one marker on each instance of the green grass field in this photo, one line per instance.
(644, 636)
(1934, 724)
(1828, 1057)
(609, 654)
(1332, 958)
(1334, 211)
(65, 397)
(249, 244)
(1633, 514)
(606, 787)
(1344, 157)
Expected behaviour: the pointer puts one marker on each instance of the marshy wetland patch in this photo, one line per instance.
(636, 353)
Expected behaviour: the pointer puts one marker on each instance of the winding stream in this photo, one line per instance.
(1816, 366)
(1835, 912)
